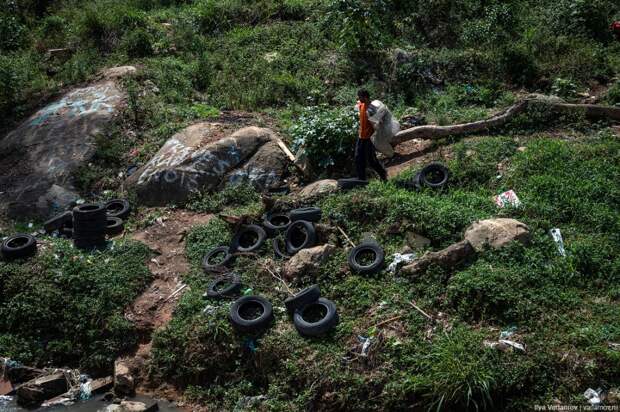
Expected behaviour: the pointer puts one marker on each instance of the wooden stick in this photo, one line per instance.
(280, 279)
(176, 292)
(345, 235)
(286, 150)
(420, 310)
(388, 321)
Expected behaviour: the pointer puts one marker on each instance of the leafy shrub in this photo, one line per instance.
(12, 30)
(582, 17)
(138, 43)
(53, 31)
(327, 136)
(66, 307)
(613, 94)
(232, 195)
(519, 66)
(80, 66)
(20, 76)
(564, 88)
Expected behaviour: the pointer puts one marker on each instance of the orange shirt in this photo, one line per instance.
(366, 129)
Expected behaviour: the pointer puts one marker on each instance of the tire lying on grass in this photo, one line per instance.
(300, 299)
(351, 183)
(18, 246)
(251, 314)
(118, 208)
(115, 226)
(434, 175)
(360, 251)
(300, 235)
(278, 252)
(210, 262)
(309, 214)
(57, 222)
(89, 226)
(248, 239)
(275, 223)
(223, 286)
(67, 229)
(317, 318)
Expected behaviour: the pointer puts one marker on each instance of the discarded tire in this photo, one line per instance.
(18, 246)
(210, 263)
(278, 252)
(275, 223)
(358, 252)
(327, 318)
(300, 235)
(300, 299)
(118, 208)
(351, 183)
(309, 214)
(248, 239)
(57, 222)
(434, 175)
(115, 226)
(223, 286)
(67, 229)
(89, 226)
(251, 314)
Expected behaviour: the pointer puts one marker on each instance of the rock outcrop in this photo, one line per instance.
(496, 233)
(318, 188)
(307, 261)
(200, 158)
(38, 158)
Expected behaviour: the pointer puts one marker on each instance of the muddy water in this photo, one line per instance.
(94, 404)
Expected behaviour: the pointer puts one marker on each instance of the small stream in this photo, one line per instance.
(94, 404)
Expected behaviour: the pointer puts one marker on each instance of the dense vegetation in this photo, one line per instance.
(297, 64)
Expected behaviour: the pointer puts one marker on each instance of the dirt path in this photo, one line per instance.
(154, 307)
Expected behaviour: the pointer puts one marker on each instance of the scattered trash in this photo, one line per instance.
(366, 342)
(557, 238)
(508, 198)
(513, 344)
(508, 332)
(247, 402)
(614, 346)
(593, 396)
(248, 292)
(400, 259)
(208, 310)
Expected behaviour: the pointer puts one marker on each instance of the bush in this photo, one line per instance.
(613, 94)
(589, 18)
(564, 88)
(327, 137)
(13, 32)
(138, 43)
(519, 66)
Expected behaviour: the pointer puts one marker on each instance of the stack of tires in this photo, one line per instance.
(89, 226)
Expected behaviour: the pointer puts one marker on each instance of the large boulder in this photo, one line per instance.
(124, 383)
(199, 158)
(318, 188)
(448, 258)
(36, 391)
(38, 158)
(307, 261)
(496, 233)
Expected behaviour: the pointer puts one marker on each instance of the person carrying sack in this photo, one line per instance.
(365, 153)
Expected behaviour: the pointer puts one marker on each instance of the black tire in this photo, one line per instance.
(115, 226)
(292, 233)
(57, 222)
(236, 244)
(209, 266)
(300, 299)
(118, 208)
(275, 223)
(88, 211)
(278, 252)
(351, 183)
(377, 263)
(309, 214)
(233, 288)
(242, 323)
(67, 229)
(89, 244)
(18, 246)
(320, 327)
(429, 172)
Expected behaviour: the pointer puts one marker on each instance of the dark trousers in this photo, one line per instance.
(365, 155)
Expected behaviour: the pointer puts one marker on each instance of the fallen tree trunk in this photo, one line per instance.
(436, 132)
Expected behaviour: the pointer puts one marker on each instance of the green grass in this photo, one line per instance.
(560, 305)
(65, 307)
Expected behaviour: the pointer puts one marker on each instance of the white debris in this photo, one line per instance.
(557, 238)
(508, 198)
(400, 259)
(593, 397)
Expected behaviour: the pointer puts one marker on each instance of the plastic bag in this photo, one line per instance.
(385, 127)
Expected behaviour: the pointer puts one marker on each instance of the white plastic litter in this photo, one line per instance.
(557, 238)
(508, 332)
(508, 198)
(593, 396)
(399, 259)
(513, 344)
(366, 342)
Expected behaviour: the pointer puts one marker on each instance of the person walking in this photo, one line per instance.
(365, 154)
